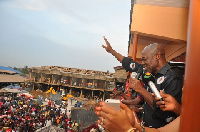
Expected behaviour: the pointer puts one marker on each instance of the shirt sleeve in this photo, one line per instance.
(126, 64)
(131, 65)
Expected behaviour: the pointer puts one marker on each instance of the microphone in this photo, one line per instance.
(148, 79)
(137, 70)
(137, 74)
(135, 67)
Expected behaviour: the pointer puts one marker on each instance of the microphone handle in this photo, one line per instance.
(139, 72)
(138, 76)
(155, 90)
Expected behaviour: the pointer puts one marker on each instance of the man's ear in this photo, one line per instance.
(157, 56)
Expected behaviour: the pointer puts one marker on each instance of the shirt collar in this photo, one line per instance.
(164, 69)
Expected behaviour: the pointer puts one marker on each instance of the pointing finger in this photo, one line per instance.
(105, 39)
(104, 46)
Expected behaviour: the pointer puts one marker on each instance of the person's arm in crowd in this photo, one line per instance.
(135, 101)
(134, 108)
(169, 103)
(126, 120)
(136, 85)
(126, 97)
(109, 49)
(171, 127)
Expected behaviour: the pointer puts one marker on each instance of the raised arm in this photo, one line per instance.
(109, 49)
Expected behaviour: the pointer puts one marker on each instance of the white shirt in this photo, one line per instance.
(48, 122)
(63, 110)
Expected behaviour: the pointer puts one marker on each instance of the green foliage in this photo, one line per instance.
(24, 71)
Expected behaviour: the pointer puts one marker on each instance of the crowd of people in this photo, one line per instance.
(159, 114)
(23, 114)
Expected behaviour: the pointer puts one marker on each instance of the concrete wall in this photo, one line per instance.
(170, 22)
(86, 117)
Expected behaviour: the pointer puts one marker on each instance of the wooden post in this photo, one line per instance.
(92, 94)
(104, 90)
(93, 83)
(30, 74)
(41, 77)
(33, 88)
(134, 52)
(70, 91)
(52, 79)
(190, 115)
(71, 81)
(81, 93)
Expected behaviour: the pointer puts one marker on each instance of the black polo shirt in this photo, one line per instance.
(171, 83)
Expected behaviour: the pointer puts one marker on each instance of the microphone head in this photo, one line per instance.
(134, 67)
(137, 73)
(147, 77)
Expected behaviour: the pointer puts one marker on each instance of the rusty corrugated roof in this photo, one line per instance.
(11, 78)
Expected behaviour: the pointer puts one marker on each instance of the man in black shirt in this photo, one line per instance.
(153, 60)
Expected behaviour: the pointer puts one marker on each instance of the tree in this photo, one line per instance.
(24, 71)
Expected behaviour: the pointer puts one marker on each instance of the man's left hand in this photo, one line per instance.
(136, 85)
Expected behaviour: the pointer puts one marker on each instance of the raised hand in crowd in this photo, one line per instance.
(109, 49)
(169, 103)
(108, 46)
(135, 101)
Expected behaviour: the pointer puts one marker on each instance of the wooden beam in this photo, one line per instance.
(191, 92)
(135, 42)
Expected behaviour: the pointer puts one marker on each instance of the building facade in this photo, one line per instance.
(78, 82)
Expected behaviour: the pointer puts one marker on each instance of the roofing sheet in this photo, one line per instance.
(9, 69)
(11, 78)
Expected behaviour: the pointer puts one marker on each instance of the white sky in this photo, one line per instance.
(65, 33)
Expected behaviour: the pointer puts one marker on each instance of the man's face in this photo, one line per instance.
(149, 61)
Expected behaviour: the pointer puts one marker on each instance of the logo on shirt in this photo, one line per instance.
(160, 79)
(132, 65)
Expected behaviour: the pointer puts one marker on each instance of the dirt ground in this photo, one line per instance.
(37, 92)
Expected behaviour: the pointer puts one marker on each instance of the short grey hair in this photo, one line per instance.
(155, 48)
